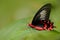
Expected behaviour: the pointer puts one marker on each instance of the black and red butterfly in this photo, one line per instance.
(41, 20)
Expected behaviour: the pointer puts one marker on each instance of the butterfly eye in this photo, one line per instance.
(41, 20)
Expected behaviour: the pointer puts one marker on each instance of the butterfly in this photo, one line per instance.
(41, 19)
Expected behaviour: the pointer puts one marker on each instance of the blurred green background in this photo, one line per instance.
(15, 15)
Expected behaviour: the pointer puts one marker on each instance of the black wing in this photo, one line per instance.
(42, 14)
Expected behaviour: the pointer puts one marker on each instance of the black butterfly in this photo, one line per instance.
(41, 19)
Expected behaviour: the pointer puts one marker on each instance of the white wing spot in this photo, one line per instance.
(43, 14)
